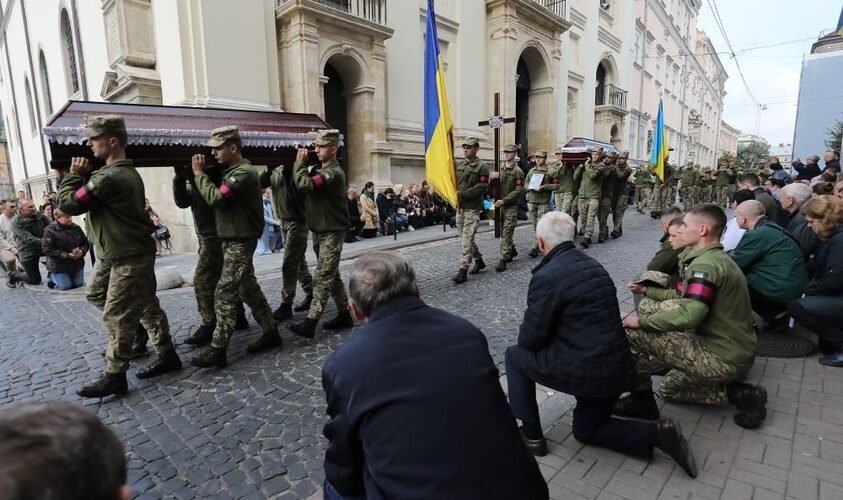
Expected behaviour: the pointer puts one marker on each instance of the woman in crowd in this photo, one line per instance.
(399, 211)
(412, 203)
(65, 246)
(821, 308)
(355, 221)
(823, 188)
(156, 221)
(427, 204)
(369, 211)
(269, 224)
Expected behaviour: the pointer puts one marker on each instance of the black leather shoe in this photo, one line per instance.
(638, 404)
(212, 357)
(672, 442)
(202, 335)
(139, 348)
(501, 267)
(342, 321)
(305, 328)
(304, 305)
(11, 282)
(284, 311)
(538, 447)
(751, 402)
(478, 266)
(108, 384)
(241, 323)
(533, 253)
(167, 361)
(585, 243)
(461, 277)
(266, 341)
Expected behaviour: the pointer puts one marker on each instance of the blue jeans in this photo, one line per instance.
(67, 281)
(329, 493)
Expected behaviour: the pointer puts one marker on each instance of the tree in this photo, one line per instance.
(752, 154)
(834, 137)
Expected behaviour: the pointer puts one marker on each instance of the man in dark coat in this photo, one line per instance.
(792, 197)
(832, 162)
(418, 413)
(572, 340)
(806, 172)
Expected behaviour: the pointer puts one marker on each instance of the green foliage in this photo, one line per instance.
(834, 137)
(752, 154)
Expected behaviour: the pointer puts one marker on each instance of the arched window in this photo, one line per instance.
(30, 106)
(45, 84)
(69, 52)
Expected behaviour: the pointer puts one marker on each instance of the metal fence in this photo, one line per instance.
(371, 10)
(610, 95)
(554, 6)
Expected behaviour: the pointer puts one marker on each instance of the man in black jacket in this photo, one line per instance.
(809, 171)
(418, 412)
(792, 197)
(832, 162)
(572, 340)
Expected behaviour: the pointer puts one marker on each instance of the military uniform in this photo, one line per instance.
(290, 209)
(620, 196)
(511, 187)
(689, 179)
(538, 202)
(123, 284)
(472, 185)
(589, 196)
(567, 190)
(643, 188)
(238, 217)
(606, 195)
(722, 185)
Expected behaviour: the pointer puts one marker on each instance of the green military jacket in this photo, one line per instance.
(565, 175)
(326, 205)
(578, 178)
(289, 203)
(772, 262)
(549, 184)
(607, 185)
(238, 209)
(511, 184)
(113, 197)
(472, 183)
(28, 233)
(713, 305)
(643, 178)
(186, 195)
(592, 181)
(689, 177)
(724, 177)
(666, 259)
(621, 188)
(669, 174)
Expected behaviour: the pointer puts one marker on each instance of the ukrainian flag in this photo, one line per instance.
(438, 127)
(660, 151)
(840, 24)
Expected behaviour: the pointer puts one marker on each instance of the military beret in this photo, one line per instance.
(328, 137)
(542, 153)
(221, 135)
(510, 148)
(596, 149)
(657, 278)
(625, 154)
(96, 126)
(612, 154)
(471, 141)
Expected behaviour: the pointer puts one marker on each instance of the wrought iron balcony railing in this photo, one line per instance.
(609, 95)
(370, 10)
(554, 6)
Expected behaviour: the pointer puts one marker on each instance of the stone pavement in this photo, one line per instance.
(253, 430)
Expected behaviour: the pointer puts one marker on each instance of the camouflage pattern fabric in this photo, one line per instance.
(618, 210)
(205, 278)
(722, 195)
(237, 281)
(294, 269)
(603, 209)
(642, 197)
(536, 211)
(588, 211)
(565, 203)
(656, 199)
(124, 290)
(467, 223)
(327, 280)
(509, 219)
(687, 194)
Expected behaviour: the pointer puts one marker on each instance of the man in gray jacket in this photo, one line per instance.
(28, 228)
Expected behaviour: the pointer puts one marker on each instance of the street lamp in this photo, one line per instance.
(761, 107)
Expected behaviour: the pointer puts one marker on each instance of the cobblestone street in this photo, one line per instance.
(254, 429)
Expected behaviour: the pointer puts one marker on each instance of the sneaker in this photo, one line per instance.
(834, 359)
(411, 228)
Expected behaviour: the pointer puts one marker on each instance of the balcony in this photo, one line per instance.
(609, 95)
(370, 10)
(556, 7)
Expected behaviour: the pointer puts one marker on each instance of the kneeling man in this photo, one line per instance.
(571, 340)
(415, 406)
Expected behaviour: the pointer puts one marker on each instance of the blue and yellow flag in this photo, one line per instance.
(438, 127)
(840, 24)
(660, 151)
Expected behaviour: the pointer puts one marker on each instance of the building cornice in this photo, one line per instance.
(607, 37)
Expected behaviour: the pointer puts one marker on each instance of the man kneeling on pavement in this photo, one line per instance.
(702, 330)
(571, 340)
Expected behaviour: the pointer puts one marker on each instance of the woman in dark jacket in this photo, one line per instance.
(65, 246)
(821, 309)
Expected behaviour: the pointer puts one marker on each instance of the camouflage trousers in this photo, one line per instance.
(618, 209)
(588, 211)
(326, 279)
(722, 196)
(575, 207)
(565, 203)
(642, 198)
(603, 210)
(509, 219)
(237, 281)
(467, 223)
(688, 198)
(124, 290)
(536, 211)
(294, 268)
(656, 200)
(205, 279)
(697, 375)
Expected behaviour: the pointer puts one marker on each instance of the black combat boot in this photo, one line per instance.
(210, 358)
(533, 253)
(342, 320)
(461, 276)
(167, 361)
(139, 348)
(241, 323)
(585, 242)
(514, 253)
(304, 305)
(601, 239)
(672, 442)
(305, 328)
(638, 404)
(479, 265)
(267, 340)
(620, 232)
(284, 311)
(614, 234)
(501, 267)
(751, 402)
(202, 335)
(108, 384)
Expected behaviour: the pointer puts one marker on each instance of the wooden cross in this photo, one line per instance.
(496, 122)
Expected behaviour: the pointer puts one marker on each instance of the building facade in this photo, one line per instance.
(728, 142)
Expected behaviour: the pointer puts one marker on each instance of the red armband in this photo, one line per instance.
(318, 181)
(85, 197)
(483, 178)
(519, 182)
(226, 190)
(701, 290)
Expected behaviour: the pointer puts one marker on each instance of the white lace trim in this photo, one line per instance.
(171, 137)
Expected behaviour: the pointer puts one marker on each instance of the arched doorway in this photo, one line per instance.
(522, 107)
(609, 104)
(615, 137)
(336, 108)
(347, 102)
(535, 112)
(600, 86)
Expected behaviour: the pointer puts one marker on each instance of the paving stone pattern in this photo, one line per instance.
(253, 430)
